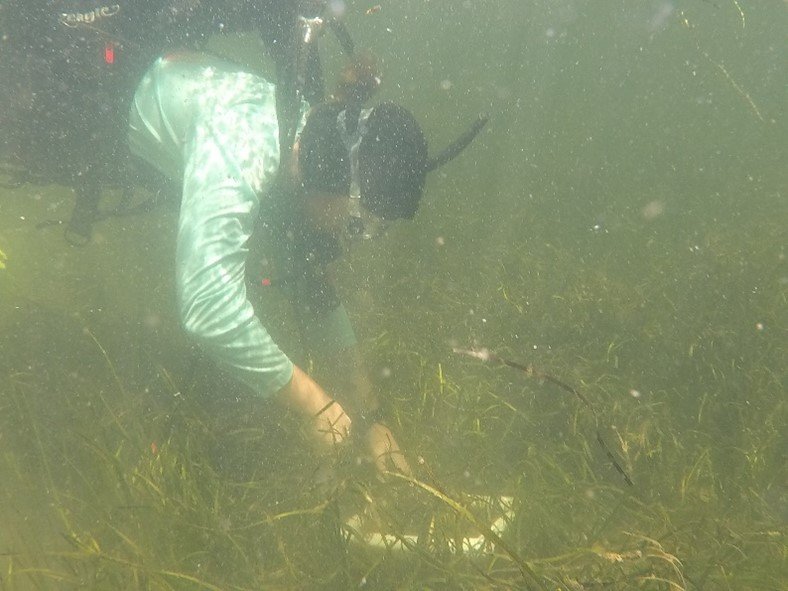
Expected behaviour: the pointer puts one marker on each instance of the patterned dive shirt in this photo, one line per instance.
(209, 123)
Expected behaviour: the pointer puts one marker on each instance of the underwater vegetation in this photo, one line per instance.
(615, 242)
(127, 468)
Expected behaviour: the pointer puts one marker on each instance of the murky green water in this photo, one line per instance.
(620, 225)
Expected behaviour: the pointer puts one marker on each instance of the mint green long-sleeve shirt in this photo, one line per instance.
(209, 123)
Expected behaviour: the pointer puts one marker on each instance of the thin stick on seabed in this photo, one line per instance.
(489, 357)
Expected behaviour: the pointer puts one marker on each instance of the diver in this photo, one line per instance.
(229, 138)
(70, 68)
(214, 126)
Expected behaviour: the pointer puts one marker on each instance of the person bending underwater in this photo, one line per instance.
(214, 126)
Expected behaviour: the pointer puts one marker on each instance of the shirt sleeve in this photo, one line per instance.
(223, 159)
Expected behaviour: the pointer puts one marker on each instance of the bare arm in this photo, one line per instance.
(365, 407)
(331, 425)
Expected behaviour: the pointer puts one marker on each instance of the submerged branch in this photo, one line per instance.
(529, 370)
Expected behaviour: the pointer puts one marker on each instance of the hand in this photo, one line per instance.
(330, 424)
(385, 451)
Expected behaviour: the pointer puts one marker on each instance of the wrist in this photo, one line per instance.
(304, 395)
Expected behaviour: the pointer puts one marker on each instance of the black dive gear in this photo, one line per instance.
(292, 35)
(74, 64)
(70, 68)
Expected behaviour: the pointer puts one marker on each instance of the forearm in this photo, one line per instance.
(358, 394)
(329, 336)
(367, 412)
(303, 395)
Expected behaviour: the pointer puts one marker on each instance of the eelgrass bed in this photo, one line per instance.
(179, 480)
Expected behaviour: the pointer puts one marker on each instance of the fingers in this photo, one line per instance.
(329, 424)
(401, 464)
(393, 460)
(385, 451)
(333, 425)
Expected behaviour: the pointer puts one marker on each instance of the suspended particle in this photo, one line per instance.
(337, 8)
(653, 209)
